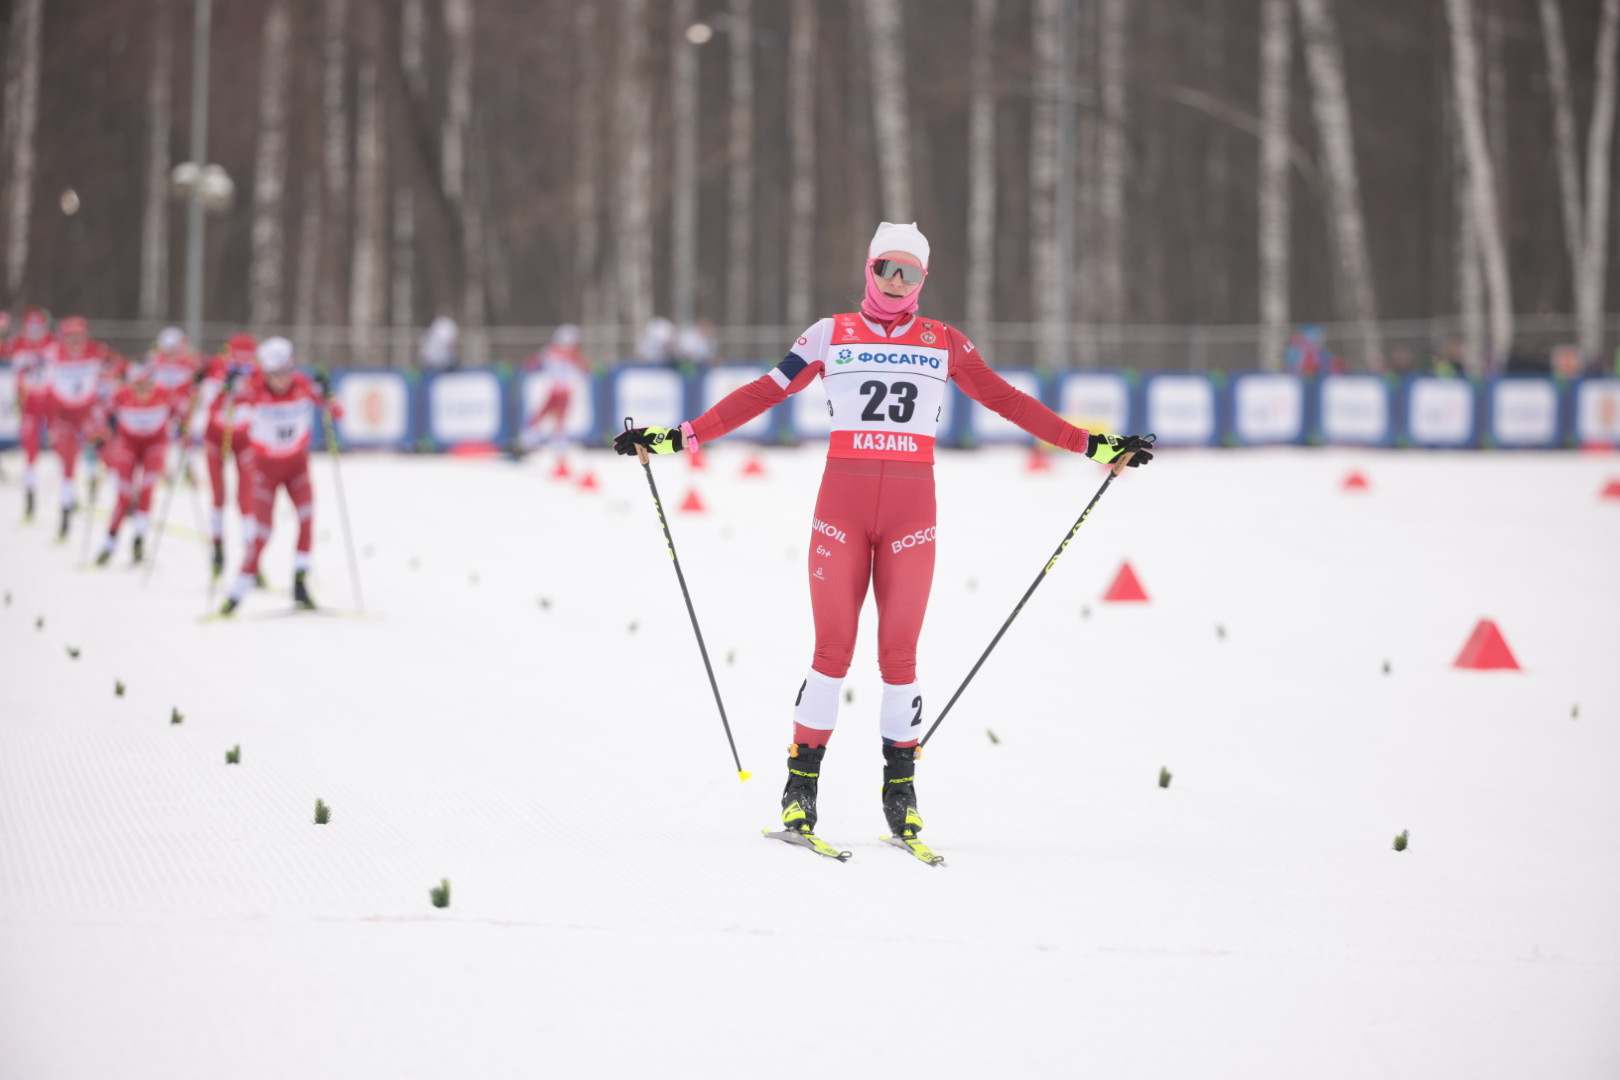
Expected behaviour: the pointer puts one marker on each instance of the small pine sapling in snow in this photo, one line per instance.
(118, 688)
(441, 893)
(39, 623)
(323, 813)
(175, 716)
(1400, 841)
(233, 756)
(1164, 776)
(1574, 710)
(992, 735)
(73, 654)
(849, 695)
(1386, 667)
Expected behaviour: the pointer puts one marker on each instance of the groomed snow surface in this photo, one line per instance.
(522, 710)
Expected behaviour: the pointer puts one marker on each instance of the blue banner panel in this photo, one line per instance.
(1181, 409)
(1441, 413)
(1097, 401)
(1597, 412)
(376, 409)
(650, 395)
(1268, 409)
(1355, 410)
(1525, 412)
(466, 407)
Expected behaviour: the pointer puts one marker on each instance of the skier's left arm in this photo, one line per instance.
(983, 385)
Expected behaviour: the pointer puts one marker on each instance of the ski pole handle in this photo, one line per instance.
(1124, 460)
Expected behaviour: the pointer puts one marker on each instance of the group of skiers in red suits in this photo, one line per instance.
(247, 403)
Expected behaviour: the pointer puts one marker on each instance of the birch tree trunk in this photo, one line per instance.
(1043, 152)
(632, 249)
(890, 107)
(402, 300)
(1564, 151)
(802, 193)
(365, 279)
(981, 224)
(1592, 268)
(587, 152)
(22, 118)
(270, 173)
(1347, 228)
(740, 166)
(1276, 60)
(309, 257)
(1112, 46)
(684, 194)
(159, 119)
(335, 116)
(1480, 195)
(458, 20)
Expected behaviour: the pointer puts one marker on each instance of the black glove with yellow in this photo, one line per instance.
(1109, 448)
(654, 440)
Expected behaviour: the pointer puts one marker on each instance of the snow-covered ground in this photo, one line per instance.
(522, 710)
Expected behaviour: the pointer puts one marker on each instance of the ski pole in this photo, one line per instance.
(343, 506)
(1119, 467)
(90, 510)
(161, 523)
(646, 465)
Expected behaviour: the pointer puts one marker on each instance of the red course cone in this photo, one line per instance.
(588, 481)
(1486, 650)
(1611, 490)
(697, 460)
(1355, 482)
(1125, 586)
(1037, 461)
(692, 504)
(755, 467)
(561, 471)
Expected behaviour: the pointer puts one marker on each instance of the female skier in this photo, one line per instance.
(884, 369)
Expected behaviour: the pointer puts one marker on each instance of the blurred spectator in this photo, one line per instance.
(437, 350)
(1447, 361)
(695, 344)
(1401, 362)
(657, 343)
(1308, 355)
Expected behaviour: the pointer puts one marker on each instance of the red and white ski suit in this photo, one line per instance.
(874, 522)
(75, 377)
(28, 357)
(279, 429)
(141, 416)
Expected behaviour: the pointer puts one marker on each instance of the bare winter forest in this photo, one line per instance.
(1075, 162)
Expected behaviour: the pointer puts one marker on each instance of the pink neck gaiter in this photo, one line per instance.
(885, 309)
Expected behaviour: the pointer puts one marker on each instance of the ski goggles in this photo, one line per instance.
(884, 269)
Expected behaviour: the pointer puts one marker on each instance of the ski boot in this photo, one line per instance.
(106, 553)
(218, 562)
(138, 549)
(301, 595)
(799, 796)
(258, 580)
(67, 521)
(900, 792)
(28, 506)
(228, 608)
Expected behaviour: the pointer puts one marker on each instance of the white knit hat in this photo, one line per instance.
(893, 237)
(275, 355)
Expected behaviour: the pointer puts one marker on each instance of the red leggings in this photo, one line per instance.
(875, 522)
(129, 454)
(68, 427)
(268, 475)
(214, 450)
(36, 420)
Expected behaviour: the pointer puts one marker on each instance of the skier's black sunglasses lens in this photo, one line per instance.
(885, 269)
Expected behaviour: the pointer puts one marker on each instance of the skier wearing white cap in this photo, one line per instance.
(885, 370)
(281, 405)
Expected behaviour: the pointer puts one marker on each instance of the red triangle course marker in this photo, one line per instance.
(1356, 482)
(693, 503)
(1486, 650)
(1611, 490)
(561, 471)
(1125, 587)
(588, 481)
(1037, 462)
(755, 467)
